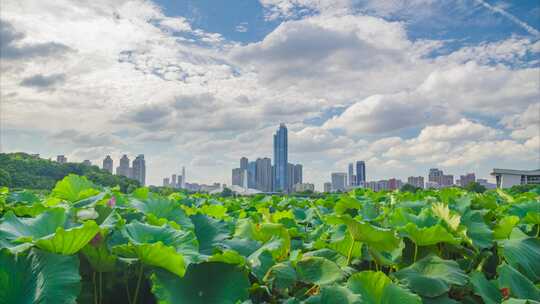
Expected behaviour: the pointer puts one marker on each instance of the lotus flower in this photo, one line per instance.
(111, 202)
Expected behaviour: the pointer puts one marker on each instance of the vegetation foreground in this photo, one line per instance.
(85, 244)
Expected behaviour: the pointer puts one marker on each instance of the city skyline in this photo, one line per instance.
(403, 85)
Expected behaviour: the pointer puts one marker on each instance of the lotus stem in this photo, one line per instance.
(415, 252)
(138, 284)
(100, 287)
(538, 231)
(349, 255)
(95, 288)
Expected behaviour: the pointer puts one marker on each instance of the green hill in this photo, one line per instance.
(21, 170)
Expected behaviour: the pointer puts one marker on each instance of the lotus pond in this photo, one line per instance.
(82, 243)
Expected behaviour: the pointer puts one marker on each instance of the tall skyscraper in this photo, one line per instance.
(183, 184)
(264, 174)
(351, 174)
(61, 159)
(123, 168)
(339, 181)
(252, 174)
(360, 173)
(108, 164)
(166, 182)
(139, 169)
(244, 163)
(173, 181)
(281, 159)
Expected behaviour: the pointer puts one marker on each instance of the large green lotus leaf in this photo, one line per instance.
(477, 230)
(519, 301)
(318, 271)
(24, 196)
(504, 227)
(281, 275)
(155, 254)
(532, 218)
(377, 288)
(520, 210)
(375, 237)
(429, 235)
(401, 216)
(485, 289)
(345, 203)
(335, 294)
(206, 283)
(68, 241)
(162, 207)
(524, 255)
(39, 277)
(12, 227)
(228, 256)
(162, 246)
(74, 188)
(243, 246)
(210, 232)
(519, 285)
(442, 211)
(264, 233)
(432, 276)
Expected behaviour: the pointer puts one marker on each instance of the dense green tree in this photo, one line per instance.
(409, 188)
(5, 178)
(31, 172)
(226, 192)
(475, 187)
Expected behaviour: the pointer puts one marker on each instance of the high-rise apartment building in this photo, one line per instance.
(464, 180)
(327, 187)
(298, 174)
(61, 159)
(139, 169)
(264, 174)
(87, 162)
(166, 182)
(394, 184)
(339, 181)
(281, 159)
(108, 164)
(238, 176)
(174, 183)
(123, 168)
(351, 174)
(360, 173)
(417, 181)
(435, 175)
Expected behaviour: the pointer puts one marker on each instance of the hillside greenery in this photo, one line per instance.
(21, 170)
(97, 245)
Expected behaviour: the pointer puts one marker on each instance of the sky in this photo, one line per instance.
(403, 85)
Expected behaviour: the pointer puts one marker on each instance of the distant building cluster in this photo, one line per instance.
(179, 181)
(176, 180)
(135, 170)
(341, 181)
(264, 176)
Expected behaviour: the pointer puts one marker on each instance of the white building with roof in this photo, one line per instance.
(507, 178)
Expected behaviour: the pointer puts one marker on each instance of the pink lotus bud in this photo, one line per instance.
(112, 202)
(96, 240)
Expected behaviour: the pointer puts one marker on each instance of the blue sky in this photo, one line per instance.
(403, 85)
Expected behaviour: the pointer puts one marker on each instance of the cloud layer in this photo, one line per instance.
(113, 77)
